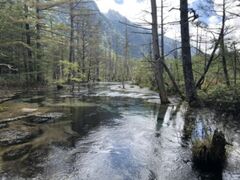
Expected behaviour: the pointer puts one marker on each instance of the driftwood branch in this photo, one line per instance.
(10, 67)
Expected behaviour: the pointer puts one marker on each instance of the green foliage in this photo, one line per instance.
(221, 93)
(143, 74)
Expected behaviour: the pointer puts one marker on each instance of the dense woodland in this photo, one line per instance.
(44, 42)
(63, 42)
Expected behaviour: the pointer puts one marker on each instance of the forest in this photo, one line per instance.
(93, 94)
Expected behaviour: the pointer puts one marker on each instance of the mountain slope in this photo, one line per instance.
(139, 39)
(114, 32)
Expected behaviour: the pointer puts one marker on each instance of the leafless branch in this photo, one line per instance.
(10, 67)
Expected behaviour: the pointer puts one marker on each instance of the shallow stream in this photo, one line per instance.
(107, 133)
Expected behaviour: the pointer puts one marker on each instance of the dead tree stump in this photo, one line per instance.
(210, 154)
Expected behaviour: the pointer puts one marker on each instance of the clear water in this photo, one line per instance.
(112, 134)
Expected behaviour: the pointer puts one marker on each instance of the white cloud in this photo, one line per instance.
(213, 20)
(134, 11)
(130, 8)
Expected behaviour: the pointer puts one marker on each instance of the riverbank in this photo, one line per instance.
(223, 99)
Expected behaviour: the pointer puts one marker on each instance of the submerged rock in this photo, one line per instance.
(2, 100)
(32, 164)
(60, 87)
(49, 117)
(3, 125)
(29, 110)
(18, 135)
(16, 153)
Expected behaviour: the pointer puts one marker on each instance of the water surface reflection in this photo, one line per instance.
(113, 134)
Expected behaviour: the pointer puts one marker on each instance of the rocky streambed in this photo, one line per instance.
(26, 130)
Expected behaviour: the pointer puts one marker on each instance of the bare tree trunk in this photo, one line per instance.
(222, 44)
(235, 64)
(162, 59)
(25, 63)
(162, 34)
(89, 70)
(126, 57)
(98, 70)
(224, 63)
(172, 79)
(158, 66)
(71, 48)
(110, 61)
(38, 44)
(83, 34)
(186, 54)
(29, 52)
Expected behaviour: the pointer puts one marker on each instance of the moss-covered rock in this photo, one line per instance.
(18, 135)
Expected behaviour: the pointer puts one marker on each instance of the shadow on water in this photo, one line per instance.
(85, 119)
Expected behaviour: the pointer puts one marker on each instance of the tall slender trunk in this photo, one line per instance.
(197, 42)
(83, 34)
(38, 45)
(224, 63)
(162, 59)
(162, 34)
(109, 78)
(190, 89)
(97, 70)
(222, 44)
(158, 66)
(235, 64)
(89, 70)
(29, 52)
(126, 56)
(25, 63)
(71, 44)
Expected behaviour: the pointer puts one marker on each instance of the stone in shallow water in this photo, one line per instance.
(32, 165)
(3, 125)
(16, 152)
(29, 110)
(18, 135)
(49, 117)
